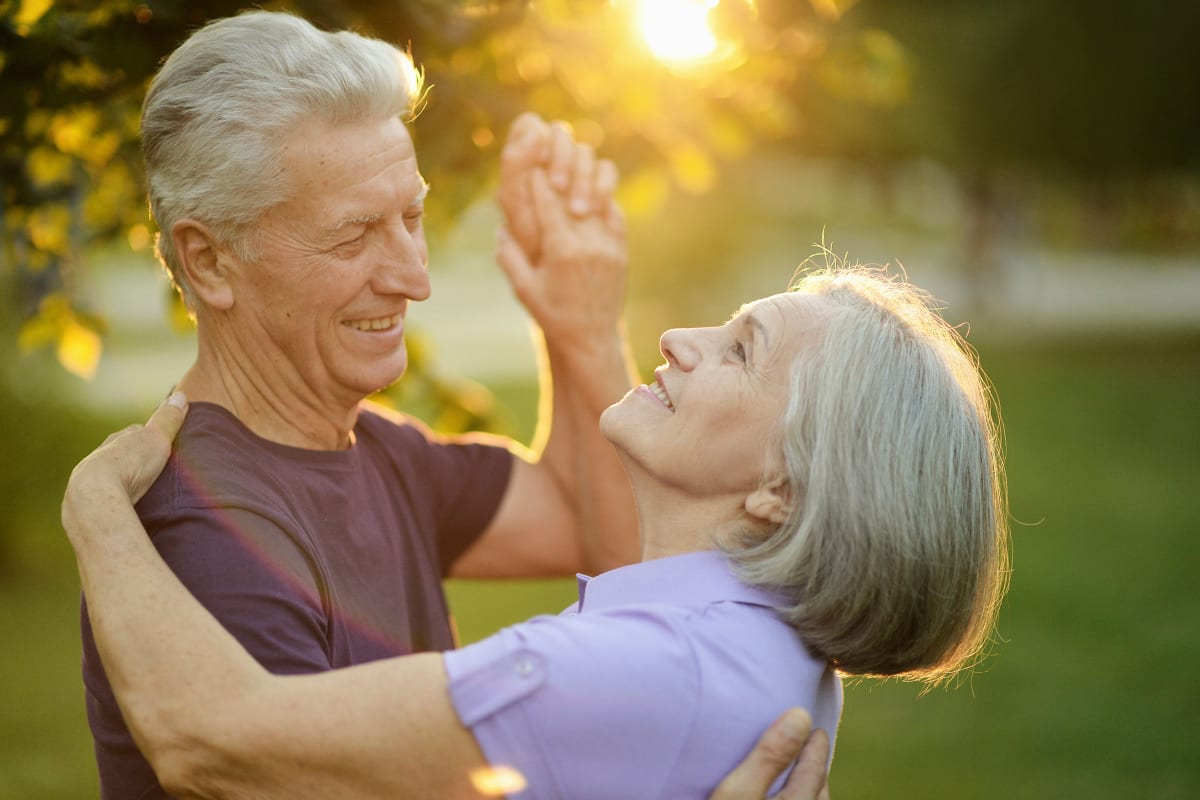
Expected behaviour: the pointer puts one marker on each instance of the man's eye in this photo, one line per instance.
(350, 246)
(739, 351)
(414, 216)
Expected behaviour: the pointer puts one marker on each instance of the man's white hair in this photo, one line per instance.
(221, 109)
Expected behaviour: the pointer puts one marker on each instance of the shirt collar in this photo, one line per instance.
(702, 577)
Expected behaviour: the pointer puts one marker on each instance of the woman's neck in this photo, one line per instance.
(672, 523)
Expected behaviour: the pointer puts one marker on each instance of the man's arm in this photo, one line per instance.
(211, 720)
(568, 507)
(789, 738)
(214, 723)
(244, 567)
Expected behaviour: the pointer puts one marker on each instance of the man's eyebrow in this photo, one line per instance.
(358, 219)
(421, 195)
(367, 219)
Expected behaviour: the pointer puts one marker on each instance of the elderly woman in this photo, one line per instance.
(819, 490)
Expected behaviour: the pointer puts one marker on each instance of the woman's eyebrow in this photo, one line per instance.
(750, 320)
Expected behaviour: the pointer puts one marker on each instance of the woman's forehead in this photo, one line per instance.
(784, 305)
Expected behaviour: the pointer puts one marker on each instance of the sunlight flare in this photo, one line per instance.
(497, 780)
(677, 30)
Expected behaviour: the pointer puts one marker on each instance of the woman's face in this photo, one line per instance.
(709, 423)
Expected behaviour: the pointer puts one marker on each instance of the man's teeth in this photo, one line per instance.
(381, 324)
(662, 395)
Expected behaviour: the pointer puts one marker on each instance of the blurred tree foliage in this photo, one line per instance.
(1088, 88)
(1100, 97)
(74, 74)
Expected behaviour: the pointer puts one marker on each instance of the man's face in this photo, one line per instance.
(338, 262)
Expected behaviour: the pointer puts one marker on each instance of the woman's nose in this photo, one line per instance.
(681, 347)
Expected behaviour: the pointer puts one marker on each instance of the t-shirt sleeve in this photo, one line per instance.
(249, 574)
(594, 706)
(461, 478)
(257, 580)
(254, 579)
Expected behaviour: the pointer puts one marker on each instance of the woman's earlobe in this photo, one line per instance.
(200, 258)
(771, 502)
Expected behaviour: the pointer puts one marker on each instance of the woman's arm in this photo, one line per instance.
(213, 722)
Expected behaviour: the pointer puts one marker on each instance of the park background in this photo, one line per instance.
(1036, 166)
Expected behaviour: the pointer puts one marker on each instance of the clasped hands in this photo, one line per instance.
(563, 244)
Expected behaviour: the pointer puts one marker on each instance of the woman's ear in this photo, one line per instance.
(771, 501)
(201, 258)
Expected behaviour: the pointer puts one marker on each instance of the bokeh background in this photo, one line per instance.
(1035, 165)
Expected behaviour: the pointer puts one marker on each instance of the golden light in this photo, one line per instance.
(497, 780)
(139, 238)
(677, 30)
(79, 350)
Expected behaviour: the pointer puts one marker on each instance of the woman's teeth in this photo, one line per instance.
(661, 394)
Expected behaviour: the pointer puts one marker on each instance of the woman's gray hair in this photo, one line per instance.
(219, 112)
(895, 554)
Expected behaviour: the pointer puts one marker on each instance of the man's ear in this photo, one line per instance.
(203, 263)
(772, 501)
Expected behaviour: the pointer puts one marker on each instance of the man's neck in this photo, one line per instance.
(277, 406)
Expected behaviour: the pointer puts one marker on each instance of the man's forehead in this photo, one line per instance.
(321, 150)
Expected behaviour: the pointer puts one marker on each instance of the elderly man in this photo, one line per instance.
(316, 528)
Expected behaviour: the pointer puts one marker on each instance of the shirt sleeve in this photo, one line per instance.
(462, 478)
(561, 700)
(257, 583)
(257, 579)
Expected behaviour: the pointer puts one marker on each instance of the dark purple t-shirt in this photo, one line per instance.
(312, 559)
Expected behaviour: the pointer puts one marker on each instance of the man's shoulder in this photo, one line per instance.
(380, 426)
(409, 444)
(217, 463)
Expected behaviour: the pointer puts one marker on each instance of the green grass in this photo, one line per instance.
(1091, 693)
(45, 750)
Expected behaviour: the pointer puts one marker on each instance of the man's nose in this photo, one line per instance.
(404, 268)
